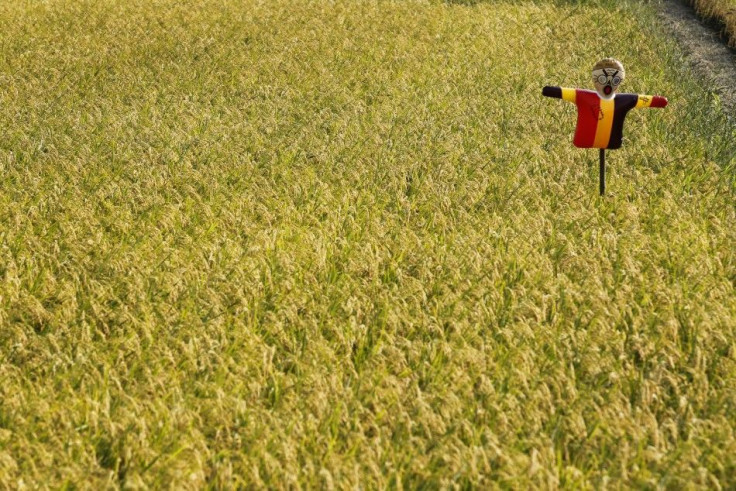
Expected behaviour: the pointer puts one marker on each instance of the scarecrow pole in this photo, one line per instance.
(602, 176)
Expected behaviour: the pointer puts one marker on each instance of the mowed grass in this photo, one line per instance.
(723, 12)
(313, 243)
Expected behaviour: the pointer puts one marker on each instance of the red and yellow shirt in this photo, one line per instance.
(601, 121)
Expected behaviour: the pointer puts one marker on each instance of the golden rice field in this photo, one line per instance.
(348, 244)
(723, 12)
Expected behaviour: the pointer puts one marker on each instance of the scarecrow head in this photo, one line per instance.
(608, 74)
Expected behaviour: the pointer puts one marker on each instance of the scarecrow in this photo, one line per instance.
(601, 113)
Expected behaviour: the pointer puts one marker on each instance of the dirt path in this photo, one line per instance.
(711, 58)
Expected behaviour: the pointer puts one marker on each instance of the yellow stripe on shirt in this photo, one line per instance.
(644, 101)
(605, 123)
(568, 94)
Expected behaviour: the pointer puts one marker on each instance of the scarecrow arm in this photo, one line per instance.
(559, 93)
(651, 101)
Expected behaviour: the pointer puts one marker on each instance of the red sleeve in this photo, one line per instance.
(659, 101)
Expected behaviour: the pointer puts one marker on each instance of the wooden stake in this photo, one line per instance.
(603, 171)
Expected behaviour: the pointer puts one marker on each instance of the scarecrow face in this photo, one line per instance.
(606, 81)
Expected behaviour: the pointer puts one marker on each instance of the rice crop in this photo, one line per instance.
(722, 12)
(307, 243)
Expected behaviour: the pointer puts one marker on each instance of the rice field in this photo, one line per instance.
(319, 244)
(722, 12)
